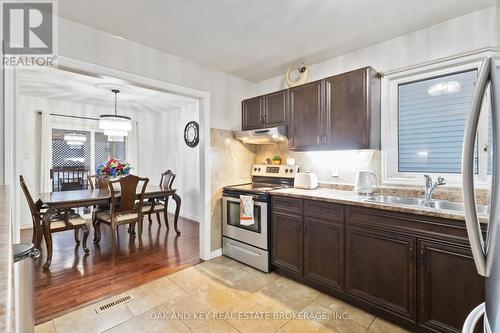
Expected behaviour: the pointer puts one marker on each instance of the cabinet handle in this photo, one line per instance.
(264, 119)
(421, 256)
(304, 227)
(299, 227)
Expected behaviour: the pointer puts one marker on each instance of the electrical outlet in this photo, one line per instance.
(335, 173)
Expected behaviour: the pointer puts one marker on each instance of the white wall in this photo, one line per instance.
(91, 45)
(457, 36)
(184, 161)
(462, 34)
(159, 137)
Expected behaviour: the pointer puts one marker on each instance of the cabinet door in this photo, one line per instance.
(287, 242)
(252, 113)
(449, 286)
(347, 117)
(275, 106)
(324, 252)
(306, 130)
(380, 269)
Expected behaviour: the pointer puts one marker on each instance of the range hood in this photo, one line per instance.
(263, 136)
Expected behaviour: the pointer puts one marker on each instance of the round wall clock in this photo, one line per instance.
(192, 134)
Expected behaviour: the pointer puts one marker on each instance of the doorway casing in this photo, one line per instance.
(85, 68)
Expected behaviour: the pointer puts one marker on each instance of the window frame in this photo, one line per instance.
(84, 126)
(390, 122)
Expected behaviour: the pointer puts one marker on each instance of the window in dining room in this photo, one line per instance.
(75, 154)
(105, 149)
(71, 159)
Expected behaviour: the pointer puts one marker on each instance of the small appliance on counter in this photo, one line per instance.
(306, 180)
(364, 181)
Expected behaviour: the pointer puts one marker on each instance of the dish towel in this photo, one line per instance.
(246, 210)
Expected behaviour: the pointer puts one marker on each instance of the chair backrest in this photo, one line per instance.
(167, 179)
(96, 181)
(33, 207)
(128, 194)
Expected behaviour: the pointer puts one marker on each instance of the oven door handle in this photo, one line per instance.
(258, 203)
(256, 254)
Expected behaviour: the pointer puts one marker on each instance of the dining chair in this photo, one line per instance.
(99, 182)
(157, 206)
(66, 220)
(123, 209)
(95, 181)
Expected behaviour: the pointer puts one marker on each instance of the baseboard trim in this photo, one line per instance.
(186, 216)
(216, 253)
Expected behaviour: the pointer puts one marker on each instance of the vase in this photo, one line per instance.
(106, 179)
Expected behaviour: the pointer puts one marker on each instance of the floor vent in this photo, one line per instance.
(109, 305)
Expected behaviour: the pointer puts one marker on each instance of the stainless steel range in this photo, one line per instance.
(249, 242)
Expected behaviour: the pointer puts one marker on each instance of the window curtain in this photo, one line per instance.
(45, 151)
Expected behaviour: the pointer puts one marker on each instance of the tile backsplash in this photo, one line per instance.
(323, 163)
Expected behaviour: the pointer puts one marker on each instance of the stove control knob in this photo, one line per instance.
(258, 169)
(291, 170)
(254, 169)
(286, 170)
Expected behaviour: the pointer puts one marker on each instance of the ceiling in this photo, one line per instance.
(78, 88)
(258, 39)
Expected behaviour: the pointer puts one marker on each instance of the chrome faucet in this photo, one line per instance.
(430, 186)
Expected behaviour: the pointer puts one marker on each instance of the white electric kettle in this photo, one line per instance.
(364, 181)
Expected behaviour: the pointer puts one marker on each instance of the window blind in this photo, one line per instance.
(432, 114)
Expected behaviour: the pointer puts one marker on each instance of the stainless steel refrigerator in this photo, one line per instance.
(486, 249)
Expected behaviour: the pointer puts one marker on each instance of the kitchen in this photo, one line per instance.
(345, 174)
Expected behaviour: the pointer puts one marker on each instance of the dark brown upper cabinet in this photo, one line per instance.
(265, 111)
(305, 127)
(352, 110)
(252, 113)
(275, 108)
(339, 112)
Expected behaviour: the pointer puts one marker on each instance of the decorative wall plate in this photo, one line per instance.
(192, 134)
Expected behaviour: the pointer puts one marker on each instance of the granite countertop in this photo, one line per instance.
(351, 198)
(6, 271)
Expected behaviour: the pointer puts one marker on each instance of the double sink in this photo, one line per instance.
(420, 202)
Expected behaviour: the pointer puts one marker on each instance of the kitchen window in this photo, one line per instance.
(423, 130)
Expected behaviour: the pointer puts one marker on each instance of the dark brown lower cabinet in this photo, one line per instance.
(287, 242)
(413, 270)
(324, 252)
(449, 286)
(380, 269)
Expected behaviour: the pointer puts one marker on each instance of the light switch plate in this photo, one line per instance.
(335, 173)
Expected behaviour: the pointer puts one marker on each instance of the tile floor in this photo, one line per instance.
(221, 296)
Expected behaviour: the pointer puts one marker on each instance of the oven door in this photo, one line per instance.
(255, 234)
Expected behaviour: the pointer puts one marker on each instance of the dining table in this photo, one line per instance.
(55, 202)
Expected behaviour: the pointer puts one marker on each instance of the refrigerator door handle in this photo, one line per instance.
(471, 220)
(494, 222)
(473, 318)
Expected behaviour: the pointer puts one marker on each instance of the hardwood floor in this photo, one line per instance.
(76, 279)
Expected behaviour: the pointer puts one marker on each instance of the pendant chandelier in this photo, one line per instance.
(75, 140)
(115, 126)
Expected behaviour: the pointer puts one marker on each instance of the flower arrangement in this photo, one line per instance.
(113, 168)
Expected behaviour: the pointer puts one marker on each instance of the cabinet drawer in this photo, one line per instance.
(325, 210)
(287, 205)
